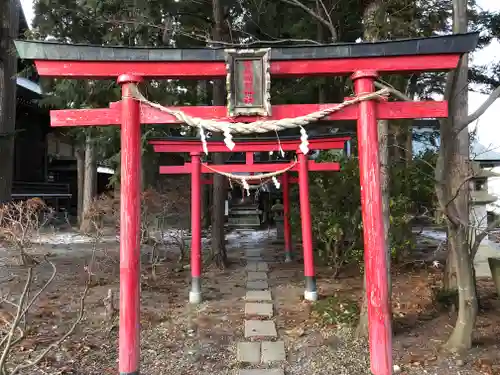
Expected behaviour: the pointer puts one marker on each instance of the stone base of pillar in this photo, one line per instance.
(310, 294)
(195, 292)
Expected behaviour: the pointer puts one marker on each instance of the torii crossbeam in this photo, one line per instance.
(363, 61)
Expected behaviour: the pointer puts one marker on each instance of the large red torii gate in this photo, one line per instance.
(195, 168)
(363, 61)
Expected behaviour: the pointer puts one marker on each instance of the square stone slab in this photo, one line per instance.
(270, 371)
(255, 253)
(256, 276)
(251, 266)
(259, 309)
(273, 351)
(260, 328)
(257, 285)
(262, 266)
(248, 352)
(258, 295)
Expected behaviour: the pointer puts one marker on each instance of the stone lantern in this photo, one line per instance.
(479, 196)
(479, 199)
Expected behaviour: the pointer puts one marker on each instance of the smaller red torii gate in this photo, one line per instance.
(303, 165)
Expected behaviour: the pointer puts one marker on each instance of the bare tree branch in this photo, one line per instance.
(393, 91)
(9, 337)
(54, 345)
(313, 14)
(480, 111)
(327, 13)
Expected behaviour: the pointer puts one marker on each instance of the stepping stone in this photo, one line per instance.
(256, 258)
(262, 266)
(251, 266)
(252, 253)
(258, 295)
(259, 309)
(273, 371)
(248, 352)
(273, 351)
(260, 328)
(257, 276)
(257, 285)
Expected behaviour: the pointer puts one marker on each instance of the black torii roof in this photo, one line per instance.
(448, 44)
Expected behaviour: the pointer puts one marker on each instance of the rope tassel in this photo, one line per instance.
(203, 140)
(304, 144)
(276, 182)
(228, 138)
(246, 186)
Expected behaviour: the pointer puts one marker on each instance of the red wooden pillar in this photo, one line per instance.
(130, 213)
(286, 219)
(195, 293)
(310, 294)
(377, 284)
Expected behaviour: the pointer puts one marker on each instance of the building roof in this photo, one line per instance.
(482, 153)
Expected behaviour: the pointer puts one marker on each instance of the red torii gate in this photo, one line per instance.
(195, 168)
(363, 61)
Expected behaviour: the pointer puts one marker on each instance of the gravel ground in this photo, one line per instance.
(179, 340)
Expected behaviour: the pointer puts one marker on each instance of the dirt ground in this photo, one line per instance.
(177, 339)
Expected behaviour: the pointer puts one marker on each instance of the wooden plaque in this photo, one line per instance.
(248, 82)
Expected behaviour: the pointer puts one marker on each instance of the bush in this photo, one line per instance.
(336, 213)
(336, 208)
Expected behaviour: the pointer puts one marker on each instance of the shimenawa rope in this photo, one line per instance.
(261, 126)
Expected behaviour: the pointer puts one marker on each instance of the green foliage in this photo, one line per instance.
(336, 212)
(336, 208)
(335, 311)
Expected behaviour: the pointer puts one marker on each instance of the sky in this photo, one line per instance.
(486, 126)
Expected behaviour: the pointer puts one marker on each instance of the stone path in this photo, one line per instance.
(262, 346)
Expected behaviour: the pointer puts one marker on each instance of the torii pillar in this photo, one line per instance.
(375, 246)
(310, 293)
(286, 220)
(130, 228)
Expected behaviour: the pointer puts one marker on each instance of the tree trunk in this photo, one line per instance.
(202, 99)
(450, 271)
(452, 188)
(383, 138)
(90, 182)
(219, 184)
(149, 169)
(362, 328)
(80, 171)
(461, 337)
(9, 18)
